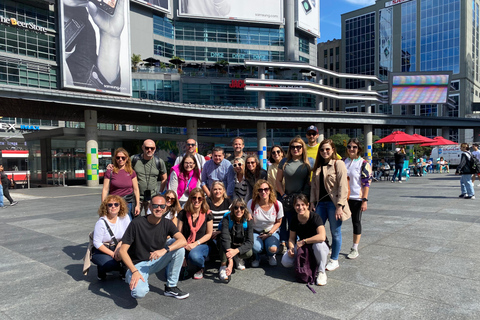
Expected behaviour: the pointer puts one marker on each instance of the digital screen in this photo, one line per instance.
(419, 95)
(435, 80)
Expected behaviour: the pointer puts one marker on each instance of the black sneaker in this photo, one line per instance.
(462, 195)
(175, 292)
(14, 203)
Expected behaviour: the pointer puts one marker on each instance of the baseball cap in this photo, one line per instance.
(397, 149)
(312, 128)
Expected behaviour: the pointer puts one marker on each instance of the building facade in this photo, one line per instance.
(416, 36)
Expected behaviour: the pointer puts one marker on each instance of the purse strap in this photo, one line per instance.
(111, 233)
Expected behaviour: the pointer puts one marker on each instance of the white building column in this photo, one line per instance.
(262, 143)
(368, 134)
(261, 94)
(321, 131)
(192, 129)
(91, 147)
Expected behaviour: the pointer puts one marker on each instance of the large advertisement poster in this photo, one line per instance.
(386, 33)
(95, 42)
(308, 16)
(161, 5)
(269, 11)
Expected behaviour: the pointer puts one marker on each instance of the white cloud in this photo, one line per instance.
(361, 2)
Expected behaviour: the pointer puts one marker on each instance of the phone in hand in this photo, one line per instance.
(106, 5)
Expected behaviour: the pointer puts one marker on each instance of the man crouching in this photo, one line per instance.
(145, 250)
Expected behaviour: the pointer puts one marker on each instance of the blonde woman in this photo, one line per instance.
(241, 184)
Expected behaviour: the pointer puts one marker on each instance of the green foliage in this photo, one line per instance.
(168, 145)
(338, 140)
(136, 59)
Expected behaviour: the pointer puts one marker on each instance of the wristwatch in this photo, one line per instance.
(168, 249)
(365, 199)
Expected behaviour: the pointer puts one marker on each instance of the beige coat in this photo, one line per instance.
(336, 185)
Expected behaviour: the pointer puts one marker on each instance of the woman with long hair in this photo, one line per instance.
(173, 206)
(295, 169)
(276, 155)
(122, 180)
(329, 195)
(113, 213)
(184, 177)
(253, 173)
(195, 222)
(241, 184)
(267, 214)
(219, 204)
(359, 173)
(237, 239)
(308, 228)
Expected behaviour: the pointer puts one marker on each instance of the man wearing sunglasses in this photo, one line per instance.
(151, 173)
(191, 149)
(218, 169)
(312, 139)
(145, 251)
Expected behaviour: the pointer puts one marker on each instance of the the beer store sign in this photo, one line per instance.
(22, 24)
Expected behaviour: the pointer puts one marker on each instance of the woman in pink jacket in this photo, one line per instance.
(184, 177)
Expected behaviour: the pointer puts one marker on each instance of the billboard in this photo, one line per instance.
(266, 11)
(425, 88)
(386, 33)
(95, 46)
(308, 16)
(161, 5)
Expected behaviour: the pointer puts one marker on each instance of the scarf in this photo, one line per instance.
(193, 230)
(183, 180)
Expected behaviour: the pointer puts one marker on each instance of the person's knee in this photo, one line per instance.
(287, 261)
(273, 249)
(140, 291)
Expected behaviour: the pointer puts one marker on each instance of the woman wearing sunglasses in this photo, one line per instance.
(113, 214)
(276, 155)
(219, 204)
(267, 214)
(307, 229)
(195, 222)
(295, 169)
(173, 206)
(240, 182)
(329, 195)
(121, 180)
(237, 239)
(184, 177)
(253, 173)
(359, 174)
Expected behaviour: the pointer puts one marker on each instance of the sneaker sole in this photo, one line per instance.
(352, 258)
(333, 268)
(168, 294)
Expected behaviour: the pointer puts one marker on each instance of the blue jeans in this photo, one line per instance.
(285, 226)
(1, 193)
(172, 259)
(398, 171)
(104, 263)
(259, 244)
(326, 210)
(467, 185)
(198, 255)
(131, 210)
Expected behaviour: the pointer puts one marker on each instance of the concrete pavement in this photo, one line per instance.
(419, 258)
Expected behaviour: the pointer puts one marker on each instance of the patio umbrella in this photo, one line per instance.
(151, 60)
(422, 139)
(438, 141)
(398, 137)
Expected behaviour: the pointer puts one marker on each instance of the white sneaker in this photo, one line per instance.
(321, 279)
(222, 273)
(255, 263)
(353, 254)
(241, 264)
(272, 260)
(399, 181)
(332, 265)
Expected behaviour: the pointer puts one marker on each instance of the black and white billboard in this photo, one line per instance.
(161, 5)
(308, 16)
(264, 11)
(95, 42)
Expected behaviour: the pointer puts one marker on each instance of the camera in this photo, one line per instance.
(147, 195)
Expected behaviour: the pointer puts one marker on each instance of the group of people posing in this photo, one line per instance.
(230, 206)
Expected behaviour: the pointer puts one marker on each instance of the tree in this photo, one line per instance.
(340, 140)
(136, 59)
(221, 64)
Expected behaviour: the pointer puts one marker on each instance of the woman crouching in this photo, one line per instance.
(237, 239)
(309, 229)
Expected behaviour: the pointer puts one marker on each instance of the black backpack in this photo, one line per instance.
(474, 164)
(305, 264)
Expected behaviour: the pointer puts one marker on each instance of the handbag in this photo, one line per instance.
(287, 202)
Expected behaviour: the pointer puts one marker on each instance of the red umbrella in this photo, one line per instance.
(438, 141)
(422, 139)
(399, 137)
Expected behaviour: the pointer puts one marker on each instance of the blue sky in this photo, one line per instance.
(330, 16)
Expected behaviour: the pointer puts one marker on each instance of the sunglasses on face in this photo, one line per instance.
(169, 198)
(197, 198)
(276, 152)
(311, 133)
(352, 147)
(121, 158)
(237, 165)
(161, 206)
(296, 147)
(191, 144)
(149, 148)
(325, 150)
(239, 208)
(253, 162)
(260, 190)
(116, 204)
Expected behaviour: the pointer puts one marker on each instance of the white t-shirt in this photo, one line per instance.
(264, 220)
(353, 171)
(476, 154)
(101, 234)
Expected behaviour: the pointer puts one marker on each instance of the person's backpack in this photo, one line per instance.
(474, 164)
(305, 264)
(137, 157)
(230, 222)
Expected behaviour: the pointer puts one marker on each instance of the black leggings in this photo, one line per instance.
(6, 193)
(356, 209)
